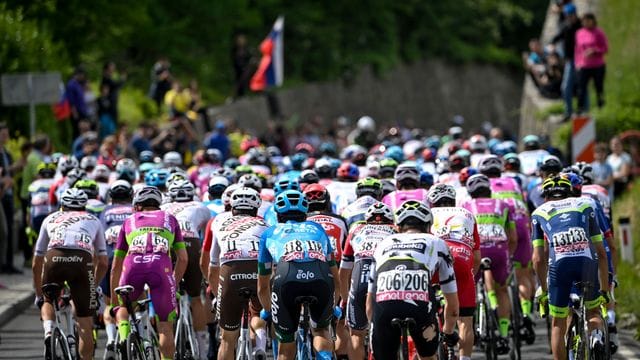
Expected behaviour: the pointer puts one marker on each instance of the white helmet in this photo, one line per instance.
(226, 195)
(407, 171)
(379, 211)
(181, 190)
(88, 161)
(245, 198)
(477, 143)
(101, 172)
(250, 180)
(176, 176)
(172, 158)
(74, 198)
(66, 163)
(490, 163)
(414, 209)
(441, 191)
(146, 194)
(477, 182)
(218, 180)
(366, 123)
(74, 175)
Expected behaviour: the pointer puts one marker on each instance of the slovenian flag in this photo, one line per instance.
(270, 71)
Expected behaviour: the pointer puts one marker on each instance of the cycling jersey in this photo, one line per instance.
(530, 159)
(600, 194)
(457, 227)
(358, 255)
(145, 241)
(505, 188)
(355, 211)
(56, 190)
(95, 207)
(570, 228)
(211, 228)
(201, 175)
(342, 194)
(336, 229)
(112, 219)
(40, 206)
(264, 206)
(215, 206)
(270, 216)
(522, 255)
(450, 178)
(396, 198)
(236, 238)
(493, 217)
(77, 230)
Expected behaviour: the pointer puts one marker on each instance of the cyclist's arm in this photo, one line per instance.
(214, 273)
(448, 286)
(476, 248)
(540, 253)
(371, 289)
(116, 271)
(264, 271)
(512, 234)
(100, 255)
(38, 258)
(337, 287)
(451, 312)
(596, 238)
(205, 254)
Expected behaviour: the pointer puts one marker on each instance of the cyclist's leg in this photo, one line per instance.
(85, 333)
(164, 303)
(356, 351)
(463, 268)
(285, 313)
(500, 273)
(83, 293)
(193, 281)
(385, 338)
(425, 334)
(228, 341)
(591, 301)
(258, 325)
(109, 321)
(165, 334)
(51, 273)
(561, 279)
(321, 313)
(230, 306)
(356, 317)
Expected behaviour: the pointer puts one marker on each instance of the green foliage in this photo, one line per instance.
(620, 20)
(557, 108)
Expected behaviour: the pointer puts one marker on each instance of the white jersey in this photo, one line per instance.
(76, 230)
(529, 160)
(455, 224)
(191, 215)
(236, 238)
(342, 194)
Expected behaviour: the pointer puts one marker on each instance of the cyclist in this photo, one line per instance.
(254, 182)
(342, 189)
(91, 188)
(217, 185)
(532, 155)
(498, 241)
(368, 192)
(70, 248)
(400, 285)
(457, 227)
(39, 206)
(548, 167)
(233, 264)
(358, 253)
(192, 217)
(566, 229)
(142, 256)
(65, 165)
(407, 178)
(112, 218)
(304, 265)
(270, 215)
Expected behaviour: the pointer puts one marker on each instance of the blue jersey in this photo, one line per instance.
(112, 219)
(215, 206)
(270, 216)
(293, 241)
(569, 226)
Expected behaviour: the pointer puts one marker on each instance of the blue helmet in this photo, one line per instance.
(286, 184)
(395, 152)
(156, 177)
(232, 163)
(426, 179)
(291, 200)
(297, 160)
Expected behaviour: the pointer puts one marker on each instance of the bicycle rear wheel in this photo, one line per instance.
(183, 347)
(59, 346)
(135, 350)
(516, 323)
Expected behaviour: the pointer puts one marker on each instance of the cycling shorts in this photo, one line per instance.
(562, 276)
(385, 337)
(463, 268)
(158, 274)
(235, 275)
(356, 304)
(193, 275)
(294, 279)
(500, 265)
(524, 249)
(76, 268)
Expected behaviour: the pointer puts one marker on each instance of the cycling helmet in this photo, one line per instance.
(146, 156)
(56, 156)
(181, 190)
(217, 185)
(585, 170)
(226, 172)
(156, 177)
(407, 172)
(255, 157)
(172, 158)
(507, 147)
(387, 168)
(426, 179)
(251, 181)
(429, 154)
(323, 168)
(511, 162)
(243, 170)
(478, 182)
(212, 156)
(477, 143)
(309, 177)
(46, 170)
(66, 163)
(366, 123)
(550, 164)
(490, 165)
(465, 174)
(90, 187)
(120, 189)
(557, 187)
(286, 184)
(297, 160)
(531, 142)
(306, 148)
(73, 198)
(457, 162)
(379, 213)
(127, 170)
(232, 163)
(274, 151)
(433, 142)
(369, 186)
(148, 196)
(440, 192)
(88, 163)
(413, 209)
(249, 143)
(348, 171)
(576, 183)
(395, 152)
(176, 176)
(328, 149)
(316, 194)
(74, 175)
(291, 200)
(245, 198)
(101, 173)
(387, 187)
(226, 195)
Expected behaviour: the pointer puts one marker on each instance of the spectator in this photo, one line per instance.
(534, 61)
(550, 82)
(620, 163)
(84, 127)
(108, 152)
(219, 140)
(242, 67)
(602, 172)
(591, 46)
(141, 139)
(113, 87)
(106, 117)
(75, 95)
(161, 82)
(89, 146)
(567, 36)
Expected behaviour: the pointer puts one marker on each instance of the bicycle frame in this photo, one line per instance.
(516, 315)
(303, 335)
(486, 324)
(142, 329)
(244, 348)
(184, 328)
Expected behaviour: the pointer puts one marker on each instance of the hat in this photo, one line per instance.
(569, 9)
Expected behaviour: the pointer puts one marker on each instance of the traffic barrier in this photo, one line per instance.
(583, 139)
(626, 240)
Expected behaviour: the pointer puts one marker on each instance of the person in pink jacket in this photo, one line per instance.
(591, 46)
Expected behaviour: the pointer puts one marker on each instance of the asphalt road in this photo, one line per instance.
(22, 339)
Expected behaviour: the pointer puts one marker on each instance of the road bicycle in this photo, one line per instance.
(515, 340)
(244, 348)
(142, 342)
(404, 325)
(304, 337)
(485, 321)
(185, 338)
(444, 352)
(578, 337)
(63, 342)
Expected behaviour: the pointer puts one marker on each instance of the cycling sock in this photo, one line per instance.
(124, 328)
(465, 358)
(47, 325)
(493, 299)
(261, 339)
(203, 341)
(111, 332)
(526, 307)
(611, 317)
(324, 355)
(504, 326)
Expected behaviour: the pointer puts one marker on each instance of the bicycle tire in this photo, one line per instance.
(516, 324)
(155, 345)
(135, 349)
(492, 327)
(59, 345)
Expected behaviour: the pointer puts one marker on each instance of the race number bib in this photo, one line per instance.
(491, 233)
(403, 284)
(573, 242)
(111, 235)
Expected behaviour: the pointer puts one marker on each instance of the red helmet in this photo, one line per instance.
(428, 154)
(249, 143)
(348, 171)
(305, 148)
(316, 193)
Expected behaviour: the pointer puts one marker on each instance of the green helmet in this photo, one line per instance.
(369, 186)
(90, 187)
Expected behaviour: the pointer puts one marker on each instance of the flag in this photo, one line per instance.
(270, 70)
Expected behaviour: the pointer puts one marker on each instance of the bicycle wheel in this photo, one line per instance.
(303, 345)
(153, 352)
(491, 351)
(59, 345)
(575, 343)
(516, 324)
(135, 350)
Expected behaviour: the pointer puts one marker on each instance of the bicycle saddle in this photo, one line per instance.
(143, 302)
(245, 292)
(403, 323)
(306, 300)
(51, 290)
(124, 290)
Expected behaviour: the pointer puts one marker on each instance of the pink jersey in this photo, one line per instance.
(493, 217)
(600, 194)
(396, 198)
(505, 188)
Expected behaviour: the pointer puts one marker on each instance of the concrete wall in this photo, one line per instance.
(428, 93)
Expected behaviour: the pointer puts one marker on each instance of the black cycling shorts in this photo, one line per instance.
(76, 268)
(292, 280)
(385, 337)
(356, 304)
(192, 274)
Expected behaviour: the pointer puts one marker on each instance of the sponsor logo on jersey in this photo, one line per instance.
(243, 276)
(306, 275)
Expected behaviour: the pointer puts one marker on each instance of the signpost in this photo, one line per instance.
(31, 89)
(626, 241)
